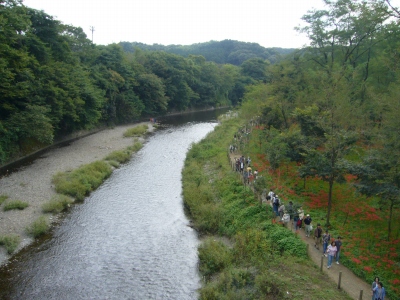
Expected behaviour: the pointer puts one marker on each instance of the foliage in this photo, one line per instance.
(136, 131)
(57, 204)
(221, 52)
(39, 227)
(10, 242)
(17, 204)
(121, 156)
(3, 198)
(239, 258)
(213, 256)
(80, 182)
(54, 82)
(135, 147)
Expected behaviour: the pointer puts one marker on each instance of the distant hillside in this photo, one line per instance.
(226, 51)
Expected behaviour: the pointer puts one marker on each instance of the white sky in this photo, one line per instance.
(269, 23)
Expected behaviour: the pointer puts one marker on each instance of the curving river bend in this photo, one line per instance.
(130, 239)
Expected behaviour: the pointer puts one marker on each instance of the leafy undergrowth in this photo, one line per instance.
(261, 260)
(360, 221)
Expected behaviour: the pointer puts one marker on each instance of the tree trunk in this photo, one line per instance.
(329, 201)
(390, 219)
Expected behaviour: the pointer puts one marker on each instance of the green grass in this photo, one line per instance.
(135, 147)
(39, 227)
(10, 242)
(3, 198)
(17, 204)
(57, 204)
(80, 182)
(120, 156)
(244, 255)
(136, 131)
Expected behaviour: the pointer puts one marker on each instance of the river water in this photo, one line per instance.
(130, 239)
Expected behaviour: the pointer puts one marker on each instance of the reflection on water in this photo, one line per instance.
(129, 240)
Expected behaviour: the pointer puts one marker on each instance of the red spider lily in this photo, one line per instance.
(368, 269)
(395, 281)
(357, 261)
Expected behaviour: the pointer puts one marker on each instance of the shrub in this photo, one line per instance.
(17, 204)
(251, 245)
(38, 227)
(214, 256)
(120, 156)
(232, 284)
(83, 180)
(136, 131)
(10, 242)
(135, 147)
(57, 204)
(3, 198)
(287, 241)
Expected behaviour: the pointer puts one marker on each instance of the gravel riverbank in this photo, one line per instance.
(32, 184)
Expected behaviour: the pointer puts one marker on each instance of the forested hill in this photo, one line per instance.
(55, 81)
(223, 52)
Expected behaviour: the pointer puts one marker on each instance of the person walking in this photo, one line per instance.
(308, 226)
(326, 239)
(331, 250)
(317, 236)
(338, 243)
(379, 292)
(281, 211)
(374, 285)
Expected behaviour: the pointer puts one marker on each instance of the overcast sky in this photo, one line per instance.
(269, 23)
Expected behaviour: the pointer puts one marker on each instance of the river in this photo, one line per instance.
(130, 238)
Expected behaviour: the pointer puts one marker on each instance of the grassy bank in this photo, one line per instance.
(243, 254)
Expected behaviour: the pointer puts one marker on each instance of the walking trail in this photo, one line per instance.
(350, 283)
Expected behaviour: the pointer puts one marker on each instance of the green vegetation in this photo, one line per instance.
(17, 204)
(10, 243)
(3, 198)
(82, 181)
(135, 147)
(243, 254)
(57, 204)
(136, 131)
(39, 227)
(120, 156)
(220, 52)
(78, 85)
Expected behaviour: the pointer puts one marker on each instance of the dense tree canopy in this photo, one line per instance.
(54, 81)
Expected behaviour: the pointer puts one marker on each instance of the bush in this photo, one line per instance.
(214, 256)
(136, 131)
(3, 198)
(135, 147)
(232, 284)
(83, 180)
(57, 204)
(251, 245)
(15, 205)
(286, 241)
(39, 227)
(10, 242)
(121, 156)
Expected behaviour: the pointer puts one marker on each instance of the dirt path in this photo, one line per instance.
(350, 283)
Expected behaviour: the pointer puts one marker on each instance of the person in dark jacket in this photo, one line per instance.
(317, 236)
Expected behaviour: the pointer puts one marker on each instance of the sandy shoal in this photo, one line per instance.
(32, 184)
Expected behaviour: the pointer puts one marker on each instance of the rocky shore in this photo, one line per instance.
(33, 183)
